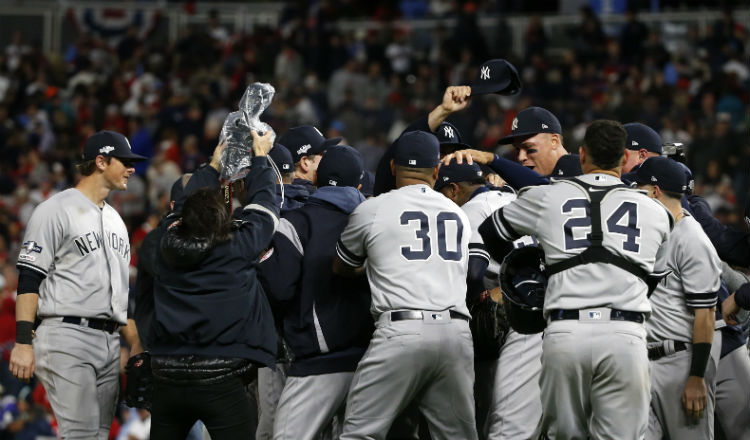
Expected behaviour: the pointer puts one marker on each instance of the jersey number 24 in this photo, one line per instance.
(623, 220)
(422, 232)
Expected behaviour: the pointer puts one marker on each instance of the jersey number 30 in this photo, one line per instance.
(624, 220)
(423, 235)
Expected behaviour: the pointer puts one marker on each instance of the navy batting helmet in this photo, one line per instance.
(523, 280)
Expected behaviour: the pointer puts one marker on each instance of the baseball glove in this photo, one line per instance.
(139, 384)
(489, 328)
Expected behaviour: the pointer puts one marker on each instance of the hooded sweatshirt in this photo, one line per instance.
(326, 318)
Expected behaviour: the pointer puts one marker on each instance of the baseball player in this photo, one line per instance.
(326, 318)
(599, 255)
(455, 99)
(643, 142)
(415, 243)
(307, 144)
(73, 276)
(295, 195)
(514, 406)
(537, 136)
(732, 416)
(680, 330)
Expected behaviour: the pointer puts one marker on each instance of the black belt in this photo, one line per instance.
(658, 352)
(413, 314)
(614, 315)
(107, 325)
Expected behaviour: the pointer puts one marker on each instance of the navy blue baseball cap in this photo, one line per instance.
(341, 165)
(306, 140)
(417, 149)
(662, 172)
(368, 183)
(449, 138)
(282, 157)
(457, 172)
(568, 165)
(497, 76)
(530, 121)
(109, 144)
(642, 136)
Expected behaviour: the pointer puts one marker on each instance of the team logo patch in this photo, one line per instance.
(595, 315)
(448, 132)
(634, 143)
(26, 257)
(437, 316)
(303, 149)
(654, 179)
(485, 73)
(32, 246)
(544, 126)
(332, 182)
(514, 127)
(106, 149)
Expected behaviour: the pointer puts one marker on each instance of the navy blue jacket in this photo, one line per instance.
(305, 185)
(208, 301)
(295, 196)
(732, 245)
(326, 318)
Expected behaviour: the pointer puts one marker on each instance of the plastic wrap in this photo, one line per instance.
(236, 130)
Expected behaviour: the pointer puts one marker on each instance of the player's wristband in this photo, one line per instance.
(701, 353)
(24, 331)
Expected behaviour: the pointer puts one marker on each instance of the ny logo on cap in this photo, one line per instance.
(303, 149)
(107, 149)
(485, 73)
(634, 143)
(515, 124)
(544, 126)
(448, 131)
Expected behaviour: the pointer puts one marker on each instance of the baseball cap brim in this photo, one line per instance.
(485, 88)
(517, 137)
(328, 143)
(131, 156)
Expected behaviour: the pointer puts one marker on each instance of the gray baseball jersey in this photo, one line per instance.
(84, 252)
(634, 227)
(477, 209)
(416, 243)
(694, 278)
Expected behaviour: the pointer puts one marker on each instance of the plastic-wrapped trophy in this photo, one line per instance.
(236, 130)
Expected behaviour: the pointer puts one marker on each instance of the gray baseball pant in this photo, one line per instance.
(667, 415)
(270, 386)
(517, 404)
(308, 404)
(733, 394)
(79, 368)
(595, 379)
(430, 361)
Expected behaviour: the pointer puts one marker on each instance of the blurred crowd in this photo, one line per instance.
(692, 85)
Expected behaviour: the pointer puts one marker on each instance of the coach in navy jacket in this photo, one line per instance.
(326, 318)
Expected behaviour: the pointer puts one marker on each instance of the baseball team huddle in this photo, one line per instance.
(454, 294)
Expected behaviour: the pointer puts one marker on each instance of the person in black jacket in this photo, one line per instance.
(326, 318)
(212, 322)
